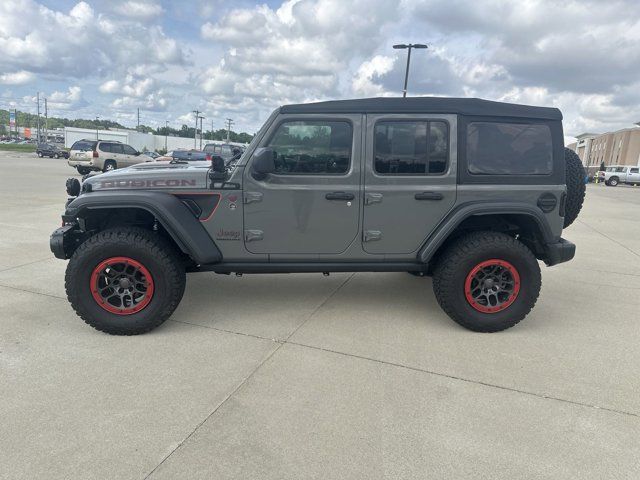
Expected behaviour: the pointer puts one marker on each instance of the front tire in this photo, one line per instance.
(125, 281)
(40, 154)
(487, 281)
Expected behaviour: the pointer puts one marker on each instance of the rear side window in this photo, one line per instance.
(312, 147)
(83, 145)
(106, 147)
(411, 148)
(509, 149)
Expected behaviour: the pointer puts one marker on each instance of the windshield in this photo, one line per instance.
(83, 145)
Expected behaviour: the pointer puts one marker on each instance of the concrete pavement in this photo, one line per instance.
(347, 376)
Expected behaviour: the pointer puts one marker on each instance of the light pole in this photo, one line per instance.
(409, 46)
(97, 118)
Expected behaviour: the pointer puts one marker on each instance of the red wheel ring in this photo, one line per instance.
(121, 285)
(492, 286)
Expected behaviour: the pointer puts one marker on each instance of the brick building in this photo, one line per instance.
(621, 147)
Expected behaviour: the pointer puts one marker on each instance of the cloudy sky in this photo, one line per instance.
(241, 59)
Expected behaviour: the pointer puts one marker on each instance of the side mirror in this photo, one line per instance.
(263, 161)
(217, 164)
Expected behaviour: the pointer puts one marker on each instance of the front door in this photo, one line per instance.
(410, 180)
(310, 205)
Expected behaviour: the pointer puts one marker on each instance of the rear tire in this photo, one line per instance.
(109, 165)
(83, 170)
(57, 155)
(96, 275)
(514, 273)
(613, 182)
(576, 187)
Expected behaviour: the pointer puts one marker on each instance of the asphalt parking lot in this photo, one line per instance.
(305, 376)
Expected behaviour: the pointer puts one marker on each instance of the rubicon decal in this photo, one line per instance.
(141, 183)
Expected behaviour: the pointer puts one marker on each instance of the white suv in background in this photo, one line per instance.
(103, 155)
(615, 174)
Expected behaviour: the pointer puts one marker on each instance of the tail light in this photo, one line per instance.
(95, 154)
(208, 158)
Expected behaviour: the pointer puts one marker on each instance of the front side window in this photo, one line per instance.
(312, 147)
(634, 170)
(509, 149)
(411, 148)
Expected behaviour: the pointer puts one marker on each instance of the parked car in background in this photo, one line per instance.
(152, 155)
(103, 155)
(51, 150)
(225, 150)
(184, 155)
(615, 174)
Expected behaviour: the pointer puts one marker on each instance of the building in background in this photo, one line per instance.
(621, 147)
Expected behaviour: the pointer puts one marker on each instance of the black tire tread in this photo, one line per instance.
(156, 246)
(576, 187)
(462, 248)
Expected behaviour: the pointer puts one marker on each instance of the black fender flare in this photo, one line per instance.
(464, 211)
(176, 218)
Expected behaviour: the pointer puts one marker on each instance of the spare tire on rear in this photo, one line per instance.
(575, 179)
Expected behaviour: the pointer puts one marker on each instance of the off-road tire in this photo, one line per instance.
(144, 246)
(459, 260)
(109, 163)
(576, 187)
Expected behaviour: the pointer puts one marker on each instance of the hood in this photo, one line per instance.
(151, 176)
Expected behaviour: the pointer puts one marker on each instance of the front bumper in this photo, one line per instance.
(560, 252)
(65, 240)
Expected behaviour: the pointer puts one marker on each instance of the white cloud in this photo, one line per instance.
(16, 78)
(139, 9)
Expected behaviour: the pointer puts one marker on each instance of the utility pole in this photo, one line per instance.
(409, 46)
(46, 122)
(97, 118)
(212, 129)
(200, 117)
(38, 121)
(195, 135)
(229, 123)
(166, 134)
(138, 127)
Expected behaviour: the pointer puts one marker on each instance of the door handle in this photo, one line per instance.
(339, 196)
(428, 196)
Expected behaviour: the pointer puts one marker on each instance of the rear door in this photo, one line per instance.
(410, 180)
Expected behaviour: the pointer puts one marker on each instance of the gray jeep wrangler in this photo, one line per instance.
(468, 191)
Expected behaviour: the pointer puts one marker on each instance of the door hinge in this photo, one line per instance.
(371, 198)
(253, 235)
(371, 235)
(250, 197)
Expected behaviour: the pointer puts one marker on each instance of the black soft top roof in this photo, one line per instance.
(463, 106)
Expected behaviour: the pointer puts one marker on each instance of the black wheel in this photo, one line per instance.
(613, 182)
(83, 170)
(40, 154)
(57, 155)
(575, 186)
(125, 281)
(487, 281)
(109, 165)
